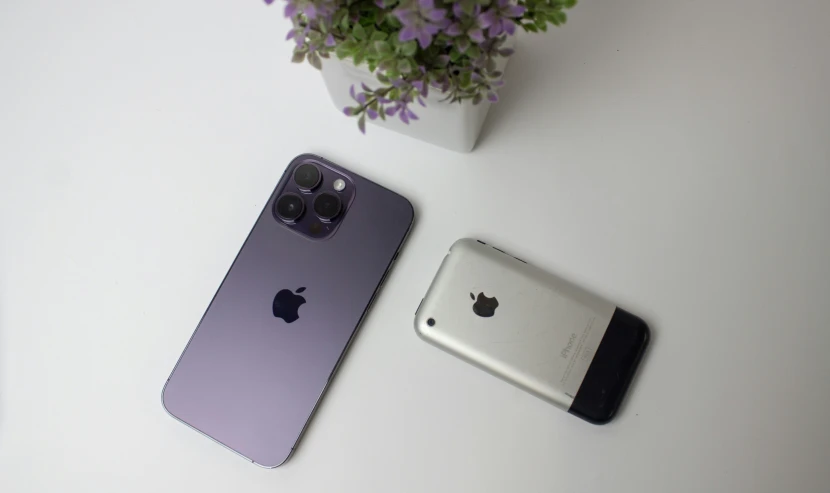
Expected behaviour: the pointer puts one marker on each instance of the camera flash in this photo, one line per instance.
(339, 185)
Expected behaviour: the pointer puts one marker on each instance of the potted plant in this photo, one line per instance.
(397, 61)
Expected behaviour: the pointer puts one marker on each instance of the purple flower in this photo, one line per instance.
(477, 35)
(421, 21)
(474, 31)
(509, 10)
(330, 40)
(498, 19)
(453, 30)
(312, 9)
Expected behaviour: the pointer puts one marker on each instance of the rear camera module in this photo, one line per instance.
(289, 207)
(307, 177)
(327, 206)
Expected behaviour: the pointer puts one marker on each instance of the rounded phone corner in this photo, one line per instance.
(463, 243)
(422, 328)
(598, 420)
(164, 403)
(306, 156)
(273, 464)
(410, 210)
(419, 324)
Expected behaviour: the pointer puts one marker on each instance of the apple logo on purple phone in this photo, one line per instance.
(287, 305)
(484, 306)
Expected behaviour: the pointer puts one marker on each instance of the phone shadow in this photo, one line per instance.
(553, 69)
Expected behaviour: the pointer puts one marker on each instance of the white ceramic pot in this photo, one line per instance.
(453, 126)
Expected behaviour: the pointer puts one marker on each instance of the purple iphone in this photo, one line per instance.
(282, 319)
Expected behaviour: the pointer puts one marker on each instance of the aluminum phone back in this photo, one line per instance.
(251, 381)
(532, 329)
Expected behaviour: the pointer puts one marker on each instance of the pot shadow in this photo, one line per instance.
(549, 68)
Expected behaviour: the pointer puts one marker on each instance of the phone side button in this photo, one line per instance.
(419, 306)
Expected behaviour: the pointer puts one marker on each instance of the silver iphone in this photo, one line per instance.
(542, 334)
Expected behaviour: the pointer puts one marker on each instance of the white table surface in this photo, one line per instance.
(671, 156)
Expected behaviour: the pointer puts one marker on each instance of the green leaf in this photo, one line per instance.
(465, 79)
(314, 60)
(344, 23)
(346, 49)
(404, 66)
(386, 63)
(341, 51)
(409, 48)
(468, 6)
(338, 17)
(569, 4)
(358, 32)
(361, 123)
(474, 51)
(314, 37)
(530, 28)
(463, 44)
(378, 36)
(298, 57)
(359, 57)
(455, 54)
(383, 48)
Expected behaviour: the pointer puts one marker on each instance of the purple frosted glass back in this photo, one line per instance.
(250, 380)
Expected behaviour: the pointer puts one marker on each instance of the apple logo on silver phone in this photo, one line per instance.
(287, 305)
(484, 306)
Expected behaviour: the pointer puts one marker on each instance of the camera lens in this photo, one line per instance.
(289, 207)
(431, 322)
(307, 176)
(327, 206)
